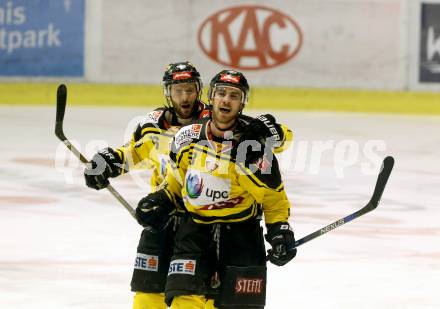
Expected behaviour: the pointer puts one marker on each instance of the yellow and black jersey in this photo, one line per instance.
(149, 145)
(215, 186)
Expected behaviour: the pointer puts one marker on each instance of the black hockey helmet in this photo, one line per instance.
(181, 72)
(230, 78)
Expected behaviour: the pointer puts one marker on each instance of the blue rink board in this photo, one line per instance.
(42, 38)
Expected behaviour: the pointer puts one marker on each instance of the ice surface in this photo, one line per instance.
(63, 245)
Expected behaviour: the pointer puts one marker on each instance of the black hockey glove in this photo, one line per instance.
(260, 129)
(155, 210)
(282, 240)
(105, 164)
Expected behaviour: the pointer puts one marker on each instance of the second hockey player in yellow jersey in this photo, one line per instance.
(149, 148)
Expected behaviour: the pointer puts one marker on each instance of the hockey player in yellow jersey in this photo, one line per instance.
(149, 148)
(225, 191)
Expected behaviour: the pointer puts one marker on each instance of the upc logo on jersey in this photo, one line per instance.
(146, 262)
(250, 37)
(204, 189)
(193, 185)
(249, 286)
(181, 75)
(182, 267)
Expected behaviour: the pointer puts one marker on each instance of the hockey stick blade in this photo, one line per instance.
(387, 167)
(59, 120)
(59, 132)
(61, 108)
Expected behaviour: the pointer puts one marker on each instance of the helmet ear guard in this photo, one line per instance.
(166, 90)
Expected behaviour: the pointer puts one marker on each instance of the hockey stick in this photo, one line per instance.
(61, 108)
(387, 167)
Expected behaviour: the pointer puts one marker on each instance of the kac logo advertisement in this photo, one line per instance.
(250, 37)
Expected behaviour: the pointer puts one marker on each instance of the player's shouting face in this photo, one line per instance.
(226, 106)
(183, 97)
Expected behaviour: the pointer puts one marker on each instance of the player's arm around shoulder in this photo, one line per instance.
(269, 135)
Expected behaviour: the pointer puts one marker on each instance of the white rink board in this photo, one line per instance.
(66, 246)
(359, 44)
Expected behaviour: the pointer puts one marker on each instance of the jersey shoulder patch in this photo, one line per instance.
(186, 134)
(152, 120)
(152, 117)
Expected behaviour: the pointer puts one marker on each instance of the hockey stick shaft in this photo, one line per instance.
(59, 132)
(387, 167)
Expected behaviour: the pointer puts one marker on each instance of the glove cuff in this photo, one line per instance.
(276, 229)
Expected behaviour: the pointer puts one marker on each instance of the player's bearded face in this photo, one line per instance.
(226, 106)
(183, 97)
